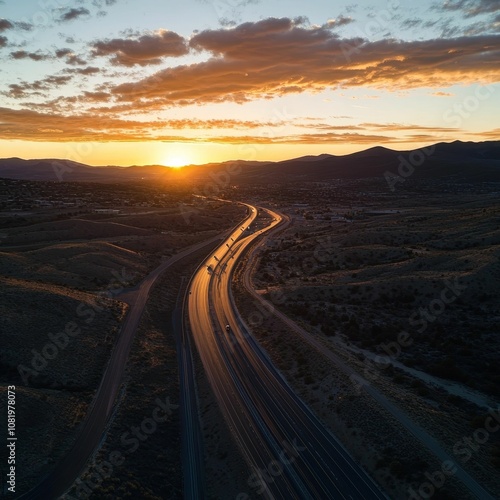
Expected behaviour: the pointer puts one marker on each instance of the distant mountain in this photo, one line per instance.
(308, 158)
(465, 161)
(70, 171)
(460, 160)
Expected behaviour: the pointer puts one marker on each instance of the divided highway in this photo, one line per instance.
(291, 453)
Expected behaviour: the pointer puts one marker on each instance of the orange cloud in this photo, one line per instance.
(37, 126)
(274, 57)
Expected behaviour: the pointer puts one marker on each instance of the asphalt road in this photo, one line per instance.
(192, 441)
(62, 477)
(416, 430)
(290, 452)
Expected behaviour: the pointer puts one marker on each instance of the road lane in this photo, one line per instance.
(321, 467)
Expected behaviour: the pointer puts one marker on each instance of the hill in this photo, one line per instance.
(468, 160)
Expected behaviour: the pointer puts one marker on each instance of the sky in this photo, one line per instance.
(128, 82)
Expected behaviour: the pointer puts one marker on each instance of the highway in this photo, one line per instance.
(277, 433)
(62, 477)
(416, 430)
(192, 440)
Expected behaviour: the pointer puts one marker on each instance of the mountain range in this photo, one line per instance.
(467, 161)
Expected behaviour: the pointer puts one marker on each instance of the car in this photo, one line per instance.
(228, 328)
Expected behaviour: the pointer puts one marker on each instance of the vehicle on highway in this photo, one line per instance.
(209, 269)
(228, 328)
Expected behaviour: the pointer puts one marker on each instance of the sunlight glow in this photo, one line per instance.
(176, 161)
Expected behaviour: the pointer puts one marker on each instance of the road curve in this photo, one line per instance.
(62, 477)
(290, 451)
(417, 431)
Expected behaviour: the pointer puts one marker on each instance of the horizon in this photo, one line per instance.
(426, 146)
(207, 82)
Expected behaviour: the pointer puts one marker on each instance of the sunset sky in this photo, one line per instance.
(168, 82)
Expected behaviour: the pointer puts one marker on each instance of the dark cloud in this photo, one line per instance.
(34, 56)
(3, 41)
(56, 80)
(144, 50)
(71, 58)
(63, 53)
(38, 87)
(75, 60)
(89, 70)
(24, 26)
(471, 8)
(5, 25)
(72, 14)
(275, 57)
(411, 23)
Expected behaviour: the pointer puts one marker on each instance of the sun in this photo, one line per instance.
(176, 160)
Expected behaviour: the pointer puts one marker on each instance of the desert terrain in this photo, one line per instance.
(62, 268)
(403, 287)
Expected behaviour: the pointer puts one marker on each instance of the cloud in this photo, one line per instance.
(38, 87)
(275, 57)
(5, 25)
(492, 135)
(34, 56)
(442, 94)
(3, 41)
(63, 53)
(339, 21)
(75, 60)
(398, 127)
(72, 14)
(471, 8)
(23, 26)
(89, 70)
(411, 23)
(96, 96)
(50, 125)
(144, 50)
(319, 138)
(71, 58)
